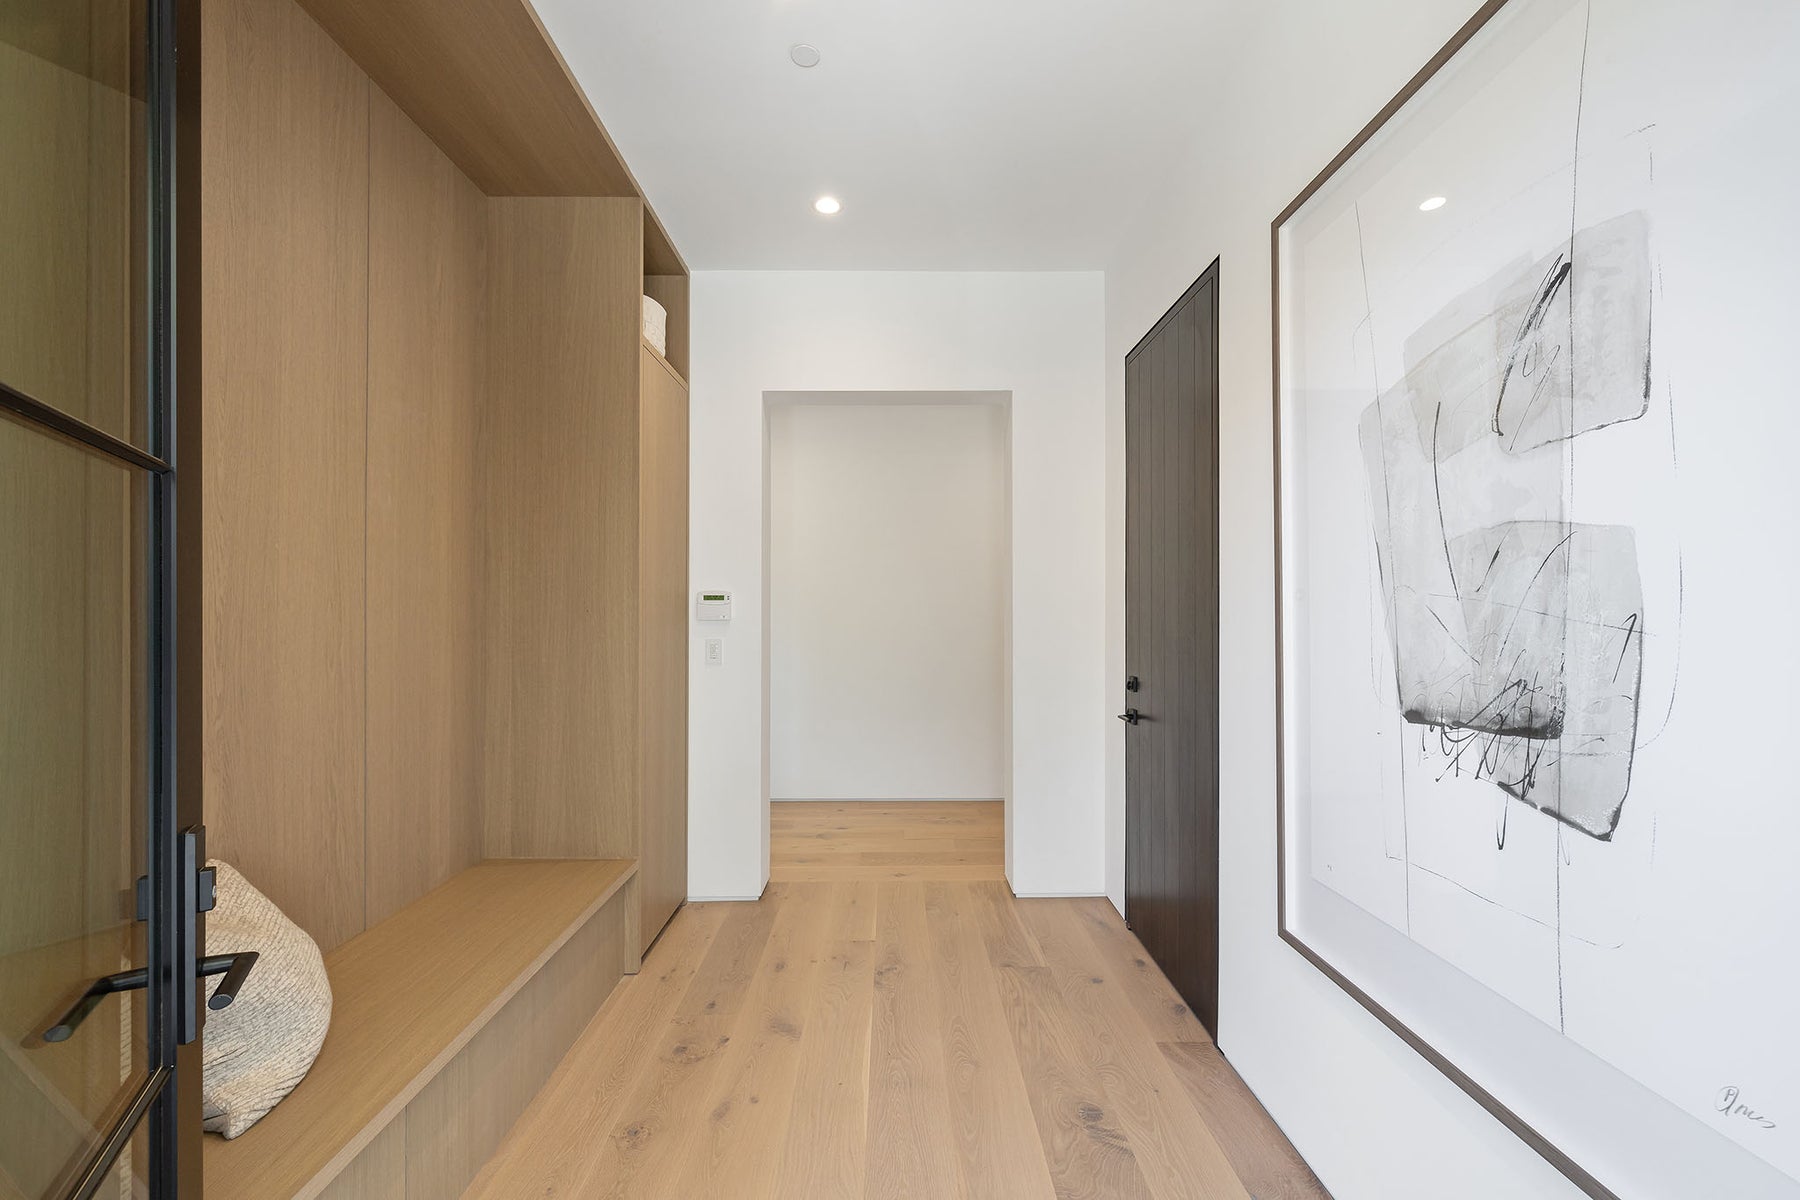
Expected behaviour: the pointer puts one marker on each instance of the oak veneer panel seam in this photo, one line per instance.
(285, 1167)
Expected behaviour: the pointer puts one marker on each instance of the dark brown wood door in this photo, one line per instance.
(1172, 645)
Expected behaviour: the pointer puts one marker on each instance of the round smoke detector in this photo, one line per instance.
(804, 55)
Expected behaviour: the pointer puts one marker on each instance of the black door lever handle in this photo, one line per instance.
(234, 967)
(1131, 716)
(100, 989)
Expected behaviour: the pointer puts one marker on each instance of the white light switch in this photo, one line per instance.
(715, 651)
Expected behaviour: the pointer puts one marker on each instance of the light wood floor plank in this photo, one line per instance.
(1174, 1148)
(831, 872)
(1089, 1155)
(666, 1104)
(997, 918)
(1161, 1006)
(990, 1110)
(870, 1036)
(733, 1153)
(824, 1151)
(909, 1139)
(853, 910)
(1264, 1159)
(576, 1106)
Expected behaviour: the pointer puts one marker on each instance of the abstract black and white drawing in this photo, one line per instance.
(1516, 632)
(1538, 409)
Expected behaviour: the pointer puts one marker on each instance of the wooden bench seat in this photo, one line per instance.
(446, 1019)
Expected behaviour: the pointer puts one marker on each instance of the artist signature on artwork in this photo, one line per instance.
(1730, 1103)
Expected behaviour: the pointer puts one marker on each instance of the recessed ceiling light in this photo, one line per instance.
(1432, 204)
(826, 205)
(804, 55)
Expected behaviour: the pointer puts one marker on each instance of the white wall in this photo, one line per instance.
(1038, 336)
(1373, 1118)
(887, 609)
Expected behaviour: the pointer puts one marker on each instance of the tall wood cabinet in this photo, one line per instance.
(662, 634)
(585, 503)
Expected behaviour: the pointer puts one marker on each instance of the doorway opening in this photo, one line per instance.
(887, 618)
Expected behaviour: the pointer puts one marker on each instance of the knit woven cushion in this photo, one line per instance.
(262, 1044)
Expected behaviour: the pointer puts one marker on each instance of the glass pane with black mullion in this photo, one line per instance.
(73, 220)
(74, 787)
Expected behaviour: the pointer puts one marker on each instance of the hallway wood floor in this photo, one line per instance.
(822, 841)
(872, 1033)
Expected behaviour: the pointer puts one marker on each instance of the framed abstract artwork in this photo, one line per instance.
(1537, 391)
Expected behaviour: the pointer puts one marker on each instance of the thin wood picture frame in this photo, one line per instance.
(1539, 1142)
(1531, 1136)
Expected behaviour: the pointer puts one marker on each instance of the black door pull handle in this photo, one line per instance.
(1131, 716)
(234, 967)
(100, 989)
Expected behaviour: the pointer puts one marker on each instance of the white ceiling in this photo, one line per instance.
(959, 134)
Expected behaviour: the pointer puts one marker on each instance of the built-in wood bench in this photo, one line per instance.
(446, 1019)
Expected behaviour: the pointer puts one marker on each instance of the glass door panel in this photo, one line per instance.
(73, 781)
(72, 188)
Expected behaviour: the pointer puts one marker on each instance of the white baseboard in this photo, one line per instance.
(1060, 895)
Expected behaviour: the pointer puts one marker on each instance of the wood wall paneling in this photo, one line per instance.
(486, 83)
(662, 640)
(455, 1124)
(427, 264)
(560, 440)
(378, 1173)
(284, 135)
